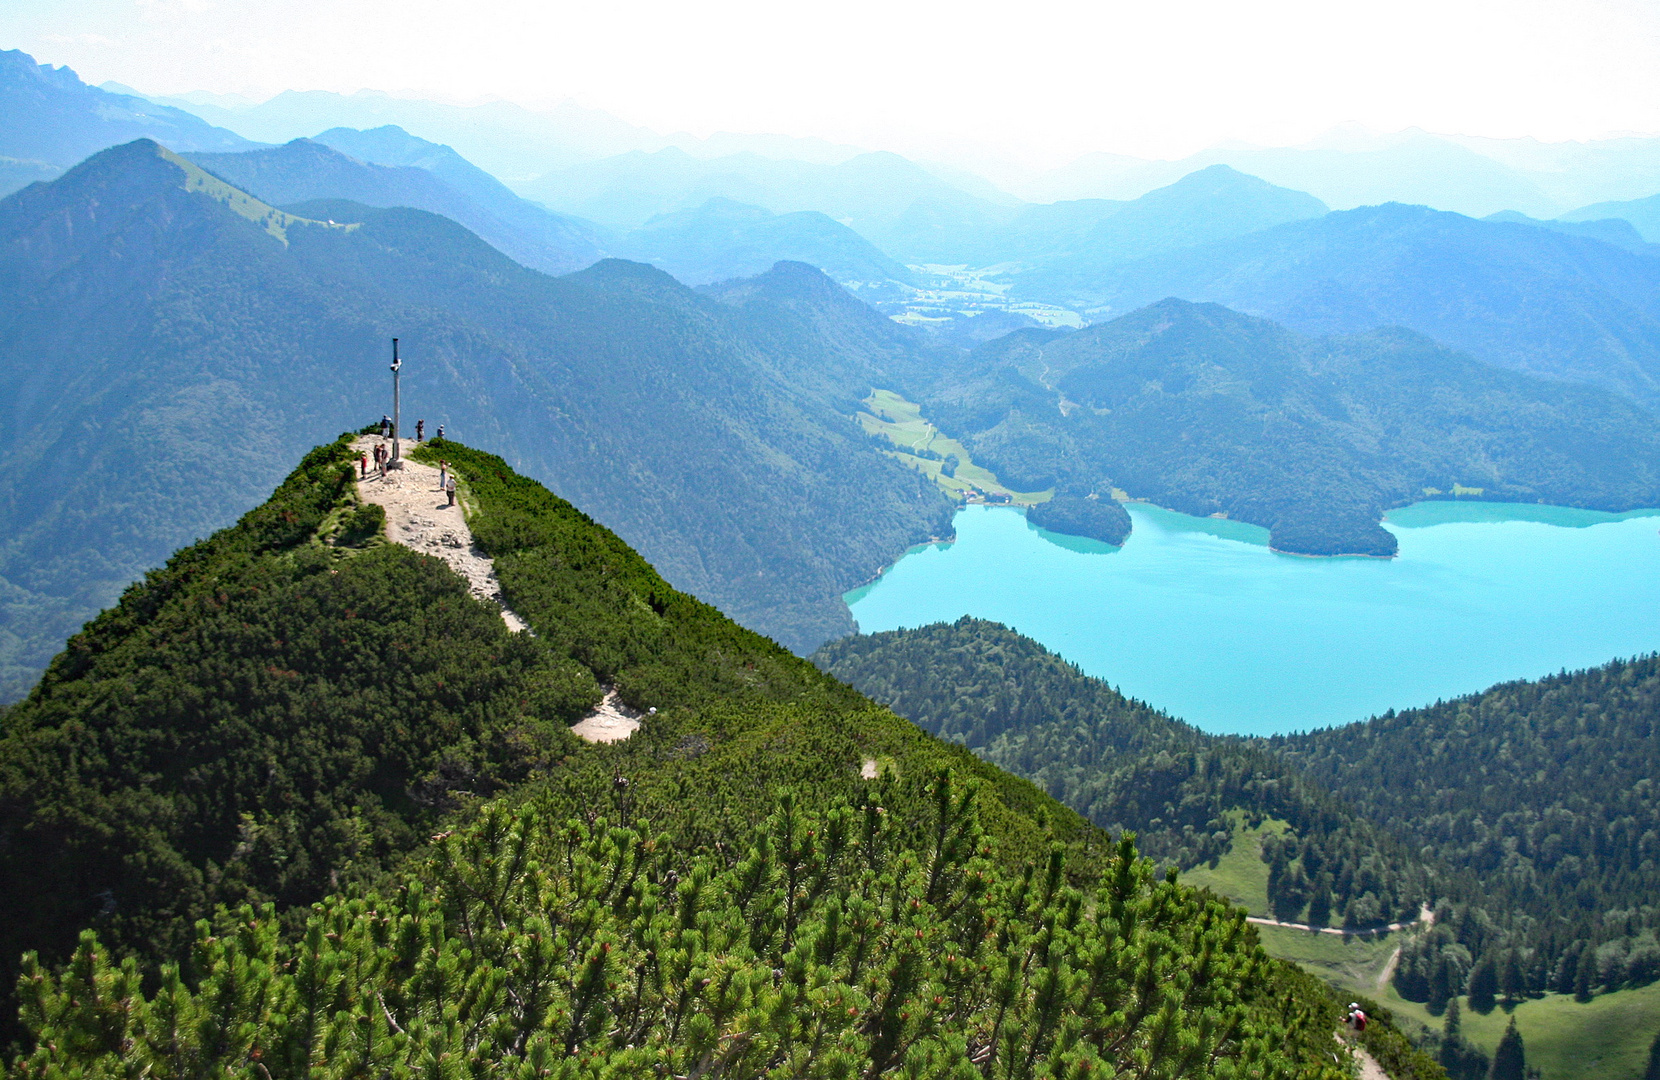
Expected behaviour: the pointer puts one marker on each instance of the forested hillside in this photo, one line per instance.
(1545, 794)
(1207, 411)
(726, 888)
(1519, 296)
(1124, 765)
(1526, 815)
(173, 344)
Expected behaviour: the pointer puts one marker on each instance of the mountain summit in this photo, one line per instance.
(172, 342)
(54, 120)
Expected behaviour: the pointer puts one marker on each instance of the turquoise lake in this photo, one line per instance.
(1199, 618)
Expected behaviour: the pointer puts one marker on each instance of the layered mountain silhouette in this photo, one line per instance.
(884, 197)
(723, 239)
(173, 343)
(1512, 294)
(1209, 411)
(53, 120)
(1069, 245)
(1643, 214)
(428, 177)
(1610, 230)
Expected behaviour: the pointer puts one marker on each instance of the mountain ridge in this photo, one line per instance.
(901, 892)
(207, 350)
(1207, 410)
(55, 120)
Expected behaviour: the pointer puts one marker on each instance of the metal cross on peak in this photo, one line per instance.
(397, 456)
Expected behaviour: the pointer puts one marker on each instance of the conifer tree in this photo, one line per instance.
(1509, 1060)
(1585, 979)
(1483, 986)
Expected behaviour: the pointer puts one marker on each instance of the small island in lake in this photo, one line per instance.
(1093, 517)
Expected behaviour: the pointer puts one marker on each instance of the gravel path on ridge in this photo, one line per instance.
(419, 517)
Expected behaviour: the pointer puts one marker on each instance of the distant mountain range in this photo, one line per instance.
(1207, 411)
(723, 239)
(1082, 241)
(172, 343)
(51, 120)
(1517, 295)
(435, 179)
(1350, 168)
(512, 142)
(1610, 230)
(1642, 214)
(884, 197)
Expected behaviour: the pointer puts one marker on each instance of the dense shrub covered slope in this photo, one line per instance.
(1124, 765)
(1526, 816)
(726, 893)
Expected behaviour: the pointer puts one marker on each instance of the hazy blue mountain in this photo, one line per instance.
(306, 170)
(507, 140)
(1610, 230)
(172, 344)
(512, 142)
(1519, 296)
(1344, 169)
(50, 119)
(1575, 173)
(724, 239)
(19, 172)
(1643, 214)
(1066, 247)
(871, 193)
(819, 337)
(1206, 410)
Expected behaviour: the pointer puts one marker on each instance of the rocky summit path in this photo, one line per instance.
(418, 516)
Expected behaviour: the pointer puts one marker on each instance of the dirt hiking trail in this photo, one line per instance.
(418, 516)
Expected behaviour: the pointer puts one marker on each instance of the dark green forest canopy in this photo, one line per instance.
(1125, 765)
(1525, 814)
(1545, 792)
(1101, 519)
(280, 709)
(1208, 411)
(294, 692)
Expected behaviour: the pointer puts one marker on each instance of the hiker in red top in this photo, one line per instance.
(362, 464)
(1356, 1019)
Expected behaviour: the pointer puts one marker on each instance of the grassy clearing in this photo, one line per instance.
(901, 423)
(1606, 1038)
(1240, 875)
(1349, 963)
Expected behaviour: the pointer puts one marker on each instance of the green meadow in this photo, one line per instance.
(1606, 1038)
(901, 423)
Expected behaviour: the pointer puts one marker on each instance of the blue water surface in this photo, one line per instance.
(1198, 617)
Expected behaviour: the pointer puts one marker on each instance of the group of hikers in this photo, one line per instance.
(420, 429)
(383, 457)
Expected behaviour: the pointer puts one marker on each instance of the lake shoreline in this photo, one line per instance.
(1200, 617)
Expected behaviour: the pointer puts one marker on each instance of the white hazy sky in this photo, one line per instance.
(1041, 81)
